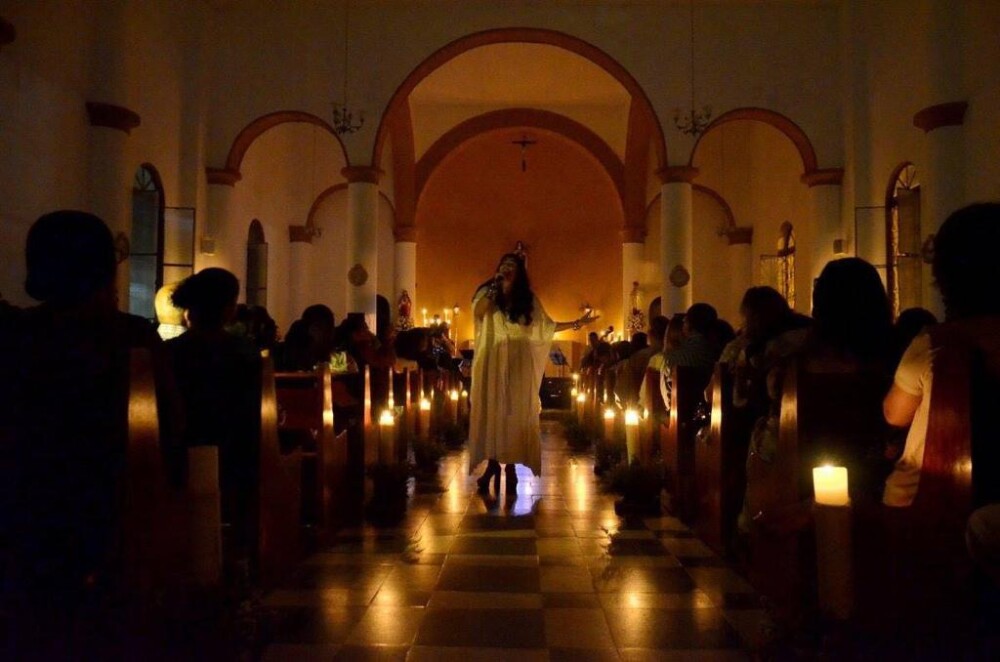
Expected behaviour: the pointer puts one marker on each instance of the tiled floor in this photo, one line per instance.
(552, 575)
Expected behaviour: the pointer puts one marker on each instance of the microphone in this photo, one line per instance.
(498, 280)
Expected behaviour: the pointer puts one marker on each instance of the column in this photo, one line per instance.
(218, 231)
(632, 251)
(111, 173)
(676, 212)
(405, 273)
(362, 244)
(824, 211)
(300, 253)
(941, 190)
(741, 263)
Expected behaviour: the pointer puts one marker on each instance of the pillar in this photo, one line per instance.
(941, 190)
(676, 218)
(300, 255)
(824, 213)
(219, 231)
(362, 244)
(632, 251)
(741, 265)
(405, 272)
(111, 173)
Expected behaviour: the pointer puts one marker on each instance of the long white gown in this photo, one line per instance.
(507, 369)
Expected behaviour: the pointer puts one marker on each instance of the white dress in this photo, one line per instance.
(507, 369)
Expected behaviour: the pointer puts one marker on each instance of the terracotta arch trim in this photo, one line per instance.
(112, 117)
(943, 114)
(633, 235)
(792, 130)
(300, 234)
(404, 233)
(521, 117)
(222, 176)
(823, 177)
(714, 195)
(365, 174)
(7, 32)
(741, 235)
(326, 193)
(256, 128)
(527, 36)
(677, 174)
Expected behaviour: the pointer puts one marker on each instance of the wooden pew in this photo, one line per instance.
(279, 493)
(306, 420)
(825, 418)
(720, 465)
(678, 441)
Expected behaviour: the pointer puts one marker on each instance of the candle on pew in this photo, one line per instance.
(632, 433)
(830, 486)
(387, 437)
(581, 402)
(572, 399)
(425, 417)
(832, 519)
(464, 403)
(609, 424)
(453, 397)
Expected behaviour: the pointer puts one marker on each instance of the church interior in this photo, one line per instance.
(360, 167)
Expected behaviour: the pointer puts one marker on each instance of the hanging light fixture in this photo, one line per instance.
(344, 120)
(692, 122)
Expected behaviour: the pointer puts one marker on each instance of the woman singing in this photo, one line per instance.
(513, 335)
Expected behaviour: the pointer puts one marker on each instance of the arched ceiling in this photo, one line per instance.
(519, 75)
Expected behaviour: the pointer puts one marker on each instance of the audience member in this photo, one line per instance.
(967, 273)
(910, 323)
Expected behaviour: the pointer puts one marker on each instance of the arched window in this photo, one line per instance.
(146, 254)
(256, 280)
(904, 281)
(778, 270)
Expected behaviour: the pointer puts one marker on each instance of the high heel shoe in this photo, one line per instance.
(511, 471)
(483, 482)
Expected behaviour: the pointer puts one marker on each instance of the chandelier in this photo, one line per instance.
(692, 122)
(344, 119)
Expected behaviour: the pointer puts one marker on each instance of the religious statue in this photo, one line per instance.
(404, 319)
(636, 318)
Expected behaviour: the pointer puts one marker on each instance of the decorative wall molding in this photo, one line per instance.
(633, 235)
(112, 117)
(675, 174)
(300, 234)
(823, 177)
(404, 233)
(740, 235)
(222, 176)
(366, 174)
(943, 114)
(7, 32)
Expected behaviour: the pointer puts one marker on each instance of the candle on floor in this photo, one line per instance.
(453, 397)
(609, 424)
(425, 418)
(632, 433)
(830, 486)
(387, 437)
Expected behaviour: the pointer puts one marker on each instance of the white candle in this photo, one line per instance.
(581, 402)
(464, 403)
(387, 437)
(609, 423)
(425, 418)
(830, 486)
(632, 433)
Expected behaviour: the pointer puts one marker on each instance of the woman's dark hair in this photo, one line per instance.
(908, 326)
(851, 309)
(207, 295)
(766, 313)
(520, 304)
(69, 255)
(383, 317)
(965, 265)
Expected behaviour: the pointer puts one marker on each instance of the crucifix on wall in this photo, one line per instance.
(524, 144)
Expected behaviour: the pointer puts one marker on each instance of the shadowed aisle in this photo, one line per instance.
(555, 576)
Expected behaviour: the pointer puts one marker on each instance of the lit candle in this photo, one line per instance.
(387, 437)
(581, 401)
(632, 433)
(425, 418)
(464, 403)
(609, 424)
(423, 311)
(454, 406)
(830, 486)
(576, 377)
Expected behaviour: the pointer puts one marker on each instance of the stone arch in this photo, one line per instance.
(230, 173)
(520, 35)
(711, 193)
(811, 172)
(521, 117)
(327, 192)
